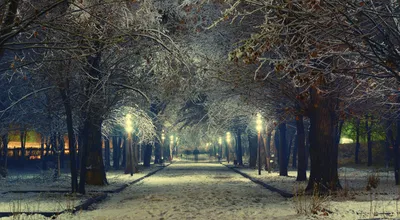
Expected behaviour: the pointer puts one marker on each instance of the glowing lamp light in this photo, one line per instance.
(220, 140)
(128, 123)
(162, 136)
(228, 136)
(259, 122)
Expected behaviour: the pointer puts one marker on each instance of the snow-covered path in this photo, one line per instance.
(193, 191)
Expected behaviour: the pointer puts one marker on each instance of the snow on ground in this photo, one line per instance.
(204, 190)
(352, 203)
(40, 202)
(193, 191)
(31, 180)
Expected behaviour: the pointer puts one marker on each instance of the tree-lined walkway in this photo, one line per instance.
(193, 191)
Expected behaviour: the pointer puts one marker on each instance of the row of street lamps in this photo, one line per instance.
(129, 130)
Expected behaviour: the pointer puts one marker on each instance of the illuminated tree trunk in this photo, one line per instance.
(323, 149)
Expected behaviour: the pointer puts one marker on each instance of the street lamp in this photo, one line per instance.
(228, 141)
(129, 129)
(171, 144)
(219, 149)
(259, 129)
(162, 146)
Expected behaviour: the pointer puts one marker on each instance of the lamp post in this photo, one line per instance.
(171, 144)
(129, 129)
(259, 128)
(162, 146)
(228, 141)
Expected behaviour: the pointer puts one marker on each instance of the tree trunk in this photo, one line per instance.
(46, 155)
(239, 157)
(96, 172)
(301, 145)
(282, 150)
(128, 155)
(92, 166)
(4, 140)
(323, 122)
(124, 151)
(147, 155)
(62, 149)
(307, 137)
(289, 149)
(140, 154)
(397, 162)
(295, 149)
(71, 145)
(107, 153)
(79, 150)
(357, 161)
(7, 24)
(23, 141)
(387, 152)
(143, 146)
(368, 127)
(135, 151)
(116, 152)
(277, 145)
(157, 153)
(268, 150)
